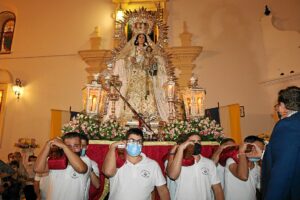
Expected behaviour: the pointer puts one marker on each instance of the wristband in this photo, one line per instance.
(172, 153)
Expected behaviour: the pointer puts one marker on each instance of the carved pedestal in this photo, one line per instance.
(96, 60)
(95, 57)
(182, 59)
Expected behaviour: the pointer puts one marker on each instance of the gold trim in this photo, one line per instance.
(150, 143)
(105, 189)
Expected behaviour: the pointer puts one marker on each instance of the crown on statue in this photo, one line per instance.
(141, 27)
(141, 21)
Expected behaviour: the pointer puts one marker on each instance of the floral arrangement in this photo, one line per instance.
(94, 128)
(208, 129)
(84, 124)
(112, 130)
(26, 143)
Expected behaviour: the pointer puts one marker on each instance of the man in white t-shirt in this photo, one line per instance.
(226, 142)
(243, 178)
(69, 183)
(138, 176)
(93, 169)
(198, 181)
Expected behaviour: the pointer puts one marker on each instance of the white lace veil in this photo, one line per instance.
(158, 81)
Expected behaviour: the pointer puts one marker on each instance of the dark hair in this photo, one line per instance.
(224, 140)
(32, 156)
(290, 97)
(186, 137)
(181, 139)
(14, 163)
(253, 138)
(10, 154)
(135, 131)
(84, 137)
(70, 135)
(149, 47)
(137, 37)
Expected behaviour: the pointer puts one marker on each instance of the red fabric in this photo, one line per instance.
(159, 153)
(188, 162)
(120, 157)
(58, 162)
(230, 152)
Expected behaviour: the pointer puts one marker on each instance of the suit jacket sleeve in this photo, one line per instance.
(281, 161)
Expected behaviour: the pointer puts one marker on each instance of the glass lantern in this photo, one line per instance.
(194, 100)
(170, 93)
(171, 89)
(93, 97)
(197, 101)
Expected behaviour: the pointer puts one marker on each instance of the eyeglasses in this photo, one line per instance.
(74, 146)
(140, 141)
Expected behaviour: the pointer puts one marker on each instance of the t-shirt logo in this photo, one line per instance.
(74, 175)
(204, 170)
(145, 173)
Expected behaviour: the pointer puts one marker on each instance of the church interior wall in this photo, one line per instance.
(229, 66)
(232, 66)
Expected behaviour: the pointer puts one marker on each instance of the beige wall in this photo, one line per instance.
(45, 46)
(231, 67)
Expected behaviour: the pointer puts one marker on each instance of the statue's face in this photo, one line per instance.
(141, 39)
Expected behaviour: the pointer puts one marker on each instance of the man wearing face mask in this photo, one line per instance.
(197, 181)
(242, 178)
(93, 169)
(68, 183)
(138, 176)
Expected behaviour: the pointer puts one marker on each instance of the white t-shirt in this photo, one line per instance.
(171, 184)
(92, 165)
(195, 182)
(236, 189)
(67, 183)
(220, 173)
(136, 181)
(43, 179)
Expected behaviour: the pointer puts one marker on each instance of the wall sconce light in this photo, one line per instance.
(18, 88)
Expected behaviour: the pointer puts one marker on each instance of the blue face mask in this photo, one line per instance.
(254, 159)
(134, 149)
(83, 151)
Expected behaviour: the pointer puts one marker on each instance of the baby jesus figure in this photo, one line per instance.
(150, 62)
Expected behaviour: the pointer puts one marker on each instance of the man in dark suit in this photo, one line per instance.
(281, 162)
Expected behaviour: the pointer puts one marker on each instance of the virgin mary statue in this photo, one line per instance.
(141, 67)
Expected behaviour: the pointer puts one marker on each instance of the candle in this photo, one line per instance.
(198, 105)
(94, 99)
(171, 89)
